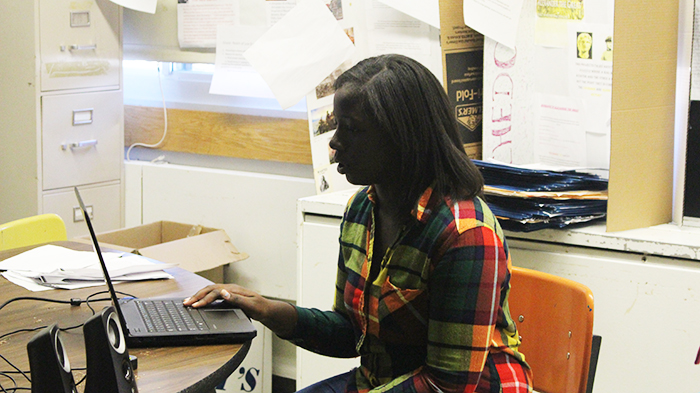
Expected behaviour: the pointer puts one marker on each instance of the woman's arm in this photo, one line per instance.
(326, 332)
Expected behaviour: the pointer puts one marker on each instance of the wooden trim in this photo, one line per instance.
(220, 134)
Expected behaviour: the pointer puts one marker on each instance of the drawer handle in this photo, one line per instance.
(82, 116)
(79, 47)
(79, 145)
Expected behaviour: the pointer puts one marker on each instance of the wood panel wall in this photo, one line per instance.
(220, 134)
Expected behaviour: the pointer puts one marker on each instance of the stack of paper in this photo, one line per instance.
(527, 199)
(50, 266)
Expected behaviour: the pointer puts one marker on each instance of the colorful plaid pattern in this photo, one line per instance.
(436, 312)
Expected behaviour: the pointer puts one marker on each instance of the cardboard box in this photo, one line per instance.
(199, 249)
(463, 73)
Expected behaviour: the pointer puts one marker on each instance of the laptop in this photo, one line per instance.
(158, 322)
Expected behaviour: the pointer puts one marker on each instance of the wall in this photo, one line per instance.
(257, 211)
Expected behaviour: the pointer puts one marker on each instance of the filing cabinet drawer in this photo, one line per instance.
(103, 200)
(82, 138)
(80, 44)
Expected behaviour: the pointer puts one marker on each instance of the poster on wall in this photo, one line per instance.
(548, 100)
(509, 101)
(197, 21)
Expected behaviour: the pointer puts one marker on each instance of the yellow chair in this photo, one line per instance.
(28, 231)
(554, 317)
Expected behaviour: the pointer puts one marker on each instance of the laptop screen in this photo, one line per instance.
(96, 246)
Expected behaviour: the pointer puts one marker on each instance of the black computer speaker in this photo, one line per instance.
(108, 367)
(48, 363)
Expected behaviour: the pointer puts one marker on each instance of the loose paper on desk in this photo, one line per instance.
(52, 266)
(233, 74)
(495, 19)
(427, 11)
(298, 52)
(148, 6)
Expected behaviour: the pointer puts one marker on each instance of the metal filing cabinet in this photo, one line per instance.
(61, 110)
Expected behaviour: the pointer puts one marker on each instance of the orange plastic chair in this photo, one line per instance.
(554, 317)
(43, 228)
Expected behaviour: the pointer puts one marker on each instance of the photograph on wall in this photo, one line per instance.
(351, 33)
(336, 7)
(322, 126)
(326, 174)
(325, 88)
(322, 120)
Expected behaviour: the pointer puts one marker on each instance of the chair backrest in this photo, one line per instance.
(32, 230)
(554, 317)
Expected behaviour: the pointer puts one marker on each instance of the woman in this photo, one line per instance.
(423, 273)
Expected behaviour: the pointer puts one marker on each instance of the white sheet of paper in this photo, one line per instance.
(298, 52)
(33, 285)
(427, 11)
(76, 269)
(47, 258)
(233, 74)
(392, 31)
(590, 74)
(148, 6)
(495, 19)
(197, 21)
(276, 10)
(24, 282)
(559, 138)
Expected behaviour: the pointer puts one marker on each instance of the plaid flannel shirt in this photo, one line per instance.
(436, 310)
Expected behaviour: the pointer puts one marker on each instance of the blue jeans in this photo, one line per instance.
(335, 384)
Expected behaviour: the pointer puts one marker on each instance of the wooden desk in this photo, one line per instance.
(170, 369)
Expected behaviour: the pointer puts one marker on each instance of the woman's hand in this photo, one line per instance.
(278, 316)
(250, 302)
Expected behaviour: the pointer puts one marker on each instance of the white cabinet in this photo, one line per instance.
(318, 234)
(62, 109)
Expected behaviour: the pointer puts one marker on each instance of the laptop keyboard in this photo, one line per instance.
(169, 316)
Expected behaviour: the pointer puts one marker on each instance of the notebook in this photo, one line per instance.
(157, 322)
